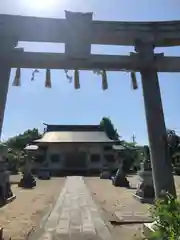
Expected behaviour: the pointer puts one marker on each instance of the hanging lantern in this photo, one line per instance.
(104, 80)
(17, 79)
(48, 79)
(134, 81)
(76, 79)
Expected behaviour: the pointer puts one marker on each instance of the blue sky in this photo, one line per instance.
(32, 104)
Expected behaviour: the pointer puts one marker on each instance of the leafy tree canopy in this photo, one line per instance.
(173, 139)
(20, 141)
(108, 127)
(130, 153)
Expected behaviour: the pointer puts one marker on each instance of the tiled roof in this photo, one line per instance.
(78, 128)
(75, 136)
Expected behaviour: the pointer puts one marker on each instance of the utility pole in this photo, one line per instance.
(134, 138)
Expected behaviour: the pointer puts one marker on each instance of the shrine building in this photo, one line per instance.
(75, 149)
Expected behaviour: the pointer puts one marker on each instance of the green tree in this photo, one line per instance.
(166, 213)
(20, 141)
(108, 127)
(16, 145)
(130, 153)
(13, 161)
(173, 141)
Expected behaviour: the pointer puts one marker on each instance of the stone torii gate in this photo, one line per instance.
(78, 31)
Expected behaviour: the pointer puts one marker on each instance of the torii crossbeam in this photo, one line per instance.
(78, 31)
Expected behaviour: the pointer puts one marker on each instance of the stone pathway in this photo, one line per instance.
(75, 215)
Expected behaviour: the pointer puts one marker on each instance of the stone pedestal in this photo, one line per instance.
(145, 192)
(6, 194)
(120, 180)
(27, 181)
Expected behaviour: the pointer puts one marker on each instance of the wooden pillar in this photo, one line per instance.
(5, 71)
(160, 157)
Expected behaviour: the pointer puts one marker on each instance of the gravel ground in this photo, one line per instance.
(116, 199)
(21, 217)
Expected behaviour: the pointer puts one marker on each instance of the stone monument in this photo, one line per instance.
(6, 194)
(145, 192)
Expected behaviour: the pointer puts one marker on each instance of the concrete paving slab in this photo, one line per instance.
(75, 215)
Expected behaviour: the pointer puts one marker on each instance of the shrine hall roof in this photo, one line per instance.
(74, 133)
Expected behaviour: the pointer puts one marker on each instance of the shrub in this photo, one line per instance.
(166, 213)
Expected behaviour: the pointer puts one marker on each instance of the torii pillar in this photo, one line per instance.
(4, 78)
(160, 157)
(7, 45)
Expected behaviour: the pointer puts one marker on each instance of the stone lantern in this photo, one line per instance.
(6, 194)
(120, 178)
(145, 192)
(28, 180)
